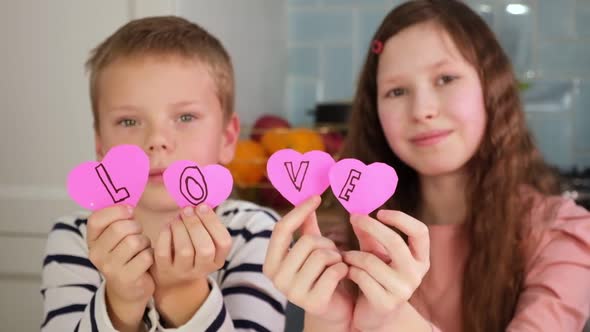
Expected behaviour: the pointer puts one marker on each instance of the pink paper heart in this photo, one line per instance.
(119, 178)
(360, 188)
(190, 185)
(298, 177)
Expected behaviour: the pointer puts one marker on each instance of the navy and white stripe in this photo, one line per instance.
(241, 297)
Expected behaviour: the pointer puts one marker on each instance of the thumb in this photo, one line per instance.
(310, 224)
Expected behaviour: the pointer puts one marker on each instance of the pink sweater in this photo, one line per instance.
(556, 294)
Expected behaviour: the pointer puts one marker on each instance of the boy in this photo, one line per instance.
(165, 85)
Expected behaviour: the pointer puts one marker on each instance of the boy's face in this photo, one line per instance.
(169, 107)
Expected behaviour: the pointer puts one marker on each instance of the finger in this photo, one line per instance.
(183, 250)
(396, 248)
(115, 233)
(417, 232)
(373, 291)
(201, 241)
(101, 219)
(316, 263)
(139, 264)
(282, 234)
(130, 246)
(163, 249)
(217, 231)
(296, 258)
(388, 279)
(324, 288)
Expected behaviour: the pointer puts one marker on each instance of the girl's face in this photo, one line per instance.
(430, 101)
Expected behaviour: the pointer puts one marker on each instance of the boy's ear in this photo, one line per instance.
(229, 139)
(98, 147)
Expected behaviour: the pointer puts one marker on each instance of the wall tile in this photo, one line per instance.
(564, 59)
(303, 61)
(353, 3)
(549, 26)
(583, 18)
(302, 2)
(553, 135)
(338, 73)
(301, 98)
(306, 26)
(516, 32)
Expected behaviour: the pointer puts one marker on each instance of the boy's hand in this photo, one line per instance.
(310, 273)
(388, 271)
(123, 255)
(191, 248)
(186, 252)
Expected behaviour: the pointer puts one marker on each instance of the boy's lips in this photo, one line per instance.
(430, 137)
(156, 174)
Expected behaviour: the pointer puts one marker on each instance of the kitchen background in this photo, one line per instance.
(547, 40)
(289, 55)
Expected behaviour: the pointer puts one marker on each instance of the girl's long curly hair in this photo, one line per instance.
(505, 162)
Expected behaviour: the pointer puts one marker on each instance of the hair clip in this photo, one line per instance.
(377, 46)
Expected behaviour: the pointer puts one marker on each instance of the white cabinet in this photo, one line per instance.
(45, 129)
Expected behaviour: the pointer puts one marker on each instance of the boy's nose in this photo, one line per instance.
(157, 146)
(159, 138)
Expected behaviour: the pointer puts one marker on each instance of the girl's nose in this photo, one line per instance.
(425, 107)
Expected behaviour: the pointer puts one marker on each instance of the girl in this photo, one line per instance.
(437, 100)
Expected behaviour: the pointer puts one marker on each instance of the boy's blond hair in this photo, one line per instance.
(164, 36)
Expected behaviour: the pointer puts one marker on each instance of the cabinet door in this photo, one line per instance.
(45, 130)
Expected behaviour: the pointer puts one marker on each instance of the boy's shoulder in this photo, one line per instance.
(235, 213)
(74, 222)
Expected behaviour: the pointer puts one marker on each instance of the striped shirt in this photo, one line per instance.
(241, 297)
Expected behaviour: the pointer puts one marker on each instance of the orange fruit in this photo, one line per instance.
(298, 139)
(275, 139)
(305, 140)
(249, 164)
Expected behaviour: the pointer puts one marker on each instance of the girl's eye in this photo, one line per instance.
(445, 79)
(187, 118)
(127, 122)
(396, 92)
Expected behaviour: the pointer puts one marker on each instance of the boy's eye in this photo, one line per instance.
(445, 79)
(127, 122)
(187, 118)
(396, 92)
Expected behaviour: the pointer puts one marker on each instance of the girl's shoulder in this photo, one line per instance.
(558, 227)
(549, 212)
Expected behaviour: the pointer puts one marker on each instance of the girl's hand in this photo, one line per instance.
(386, 269)
(310, 273)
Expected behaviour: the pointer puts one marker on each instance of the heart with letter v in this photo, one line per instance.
(299, 176)
(359, 188)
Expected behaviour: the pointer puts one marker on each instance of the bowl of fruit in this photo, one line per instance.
(271, 133)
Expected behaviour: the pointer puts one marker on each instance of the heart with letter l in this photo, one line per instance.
(299, 176)
(360, 188)
(119, 178)
(190, 184)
